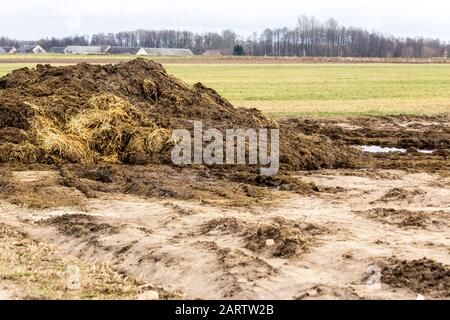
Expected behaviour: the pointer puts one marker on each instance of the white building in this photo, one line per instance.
(8, 50)
(126, 50)
(212, 53)
(166, 52)
(31, 48)
(86, 49)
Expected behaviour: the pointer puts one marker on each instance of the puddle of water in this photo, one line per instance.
(378, 149)
(427, 151)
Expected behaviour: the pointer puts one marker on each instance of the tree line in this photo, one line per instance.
(310, 37)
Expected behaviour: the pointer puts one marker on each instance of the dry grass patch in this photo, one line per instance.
(37, 190)
(109, 129)
(36, 268)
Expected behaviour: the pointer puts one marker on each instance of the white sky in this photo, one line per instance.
(28, 19)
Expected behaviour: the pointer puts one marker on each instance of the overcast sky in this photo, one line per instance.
(33, 19)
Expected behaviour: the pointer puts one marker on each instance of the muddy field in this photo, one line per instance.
(337, 222)
(195, 232)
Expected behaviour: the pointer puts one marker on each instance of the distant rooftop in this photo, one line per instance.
(57, 50)
(168, 52)
(86, 49)
(31, 48)
(124, 50)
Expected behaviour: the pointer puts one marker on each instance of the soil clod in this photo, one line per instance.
(423, 276)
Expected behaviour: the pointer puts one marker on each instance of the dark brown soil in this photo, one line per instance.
(403, 218)
(419, 132)
(423, 276)
(225, 226)
(173, 182)
(277, 237)
(71, 184)
(412, 133)
(6, 186)
(287, 242)
(125, 113)
(81, 226)
(398, 194)
(87, 121)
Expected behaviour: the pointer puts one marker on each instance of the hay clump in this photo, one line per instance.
(115, 130)
(107, 129)
(55, 142)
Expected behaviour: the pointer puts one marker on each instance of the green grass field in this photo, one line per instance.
(322, 89)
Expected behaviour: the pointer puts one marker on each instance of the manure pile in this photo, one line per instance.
(125, 114)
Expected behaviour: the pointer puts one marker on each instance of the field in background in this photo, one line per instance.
(318, 89)
(52, 57)
(99, 217)
(290, 90)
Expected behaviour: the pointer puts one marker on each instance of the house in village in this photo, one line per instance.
(167, 52)
(31, 48)
(86, 49)
(57, 50)
(122, 50)
(8, 50)
(212, 53)
(126, 50)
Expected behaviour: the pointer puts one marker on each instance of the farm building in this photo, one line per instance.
(57, 50)
(86, 49)
(9, 49)
(126, 50)
(31, 48)
(166, 52)
(2, 51)
(212, 53)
